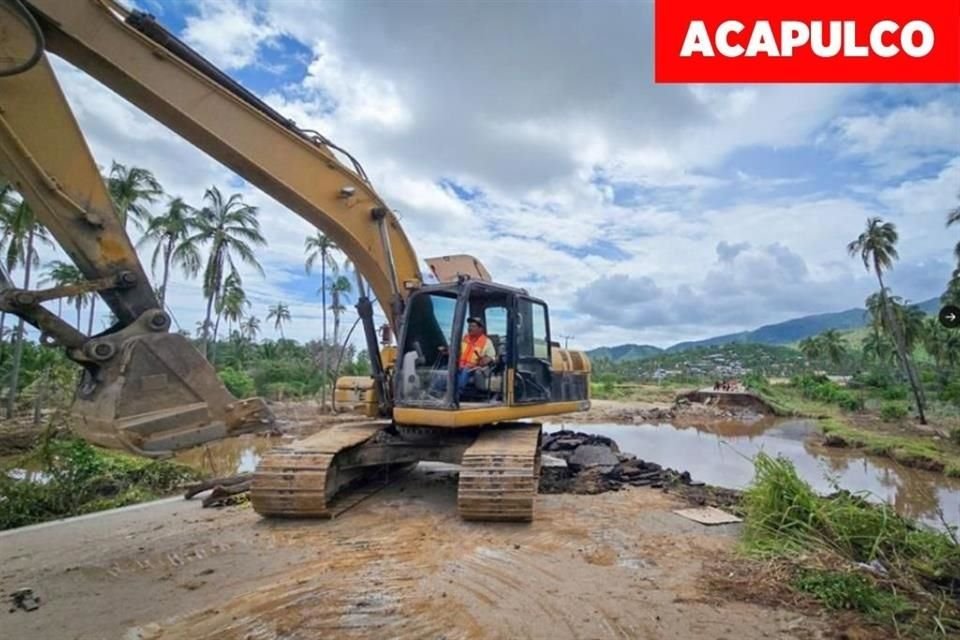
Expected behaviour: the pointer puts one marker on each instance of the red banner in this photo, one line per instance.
(807, 41)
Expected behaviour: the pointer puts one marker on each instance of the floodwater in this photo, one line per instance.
(721, 455)
(718, 455)
(230, 456)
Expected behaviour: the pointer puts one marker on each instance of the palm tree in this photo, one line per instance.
(20, 232)
(231, 227)
(61, 273)
(321, 246)
(234, 303)
(953, 217)
(131, 188)
(250, 328)
(877, 347)
(279, 314)
(171, 233)
(876, 246)
(952, 294)
(910, 318)
(810, 348)
(832, 345)
(942, 344)
(7, 204)
(340, 290)
(230, 303)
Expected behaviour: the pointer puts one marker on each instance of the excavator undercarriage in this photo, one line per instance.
(500, 467)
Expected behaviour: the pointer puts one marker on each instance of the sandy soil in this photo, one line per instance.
(400, 564)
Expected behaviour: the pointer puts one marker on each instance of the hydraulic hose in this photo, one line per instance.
(19, 7)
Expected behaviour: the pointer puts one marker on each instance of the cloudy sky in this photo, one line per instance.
(532, 136)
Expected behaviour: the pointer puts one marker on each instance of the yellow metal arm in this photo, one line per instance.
(300, 173)
(43, 153)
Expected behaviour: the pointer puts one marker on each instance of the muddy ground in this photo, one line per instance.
(400, 564)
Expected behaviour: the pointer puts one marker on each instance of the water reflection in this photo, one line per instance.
(229, 456)
(721, 455)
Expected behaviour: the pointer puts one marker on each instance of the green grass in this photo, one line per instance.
(852, 591)
(828, 541)
(786, 400)
(664, 393)
(81, 478)
(920, 452)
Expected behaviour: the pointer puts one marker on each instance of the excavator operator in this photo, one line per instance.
(476, 350)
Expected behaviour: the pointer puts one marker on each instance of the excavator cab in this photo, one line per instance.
(528, 369)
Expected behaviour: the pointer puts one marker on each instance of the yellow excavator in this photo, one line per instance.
(150, 391)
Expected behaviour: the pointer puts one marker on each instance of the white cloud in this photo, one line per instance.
(544, 116)
(900, 139)
(229, 34)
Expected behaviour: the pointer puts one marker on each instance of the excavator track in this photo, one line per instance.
(500, 473)
(300, 480)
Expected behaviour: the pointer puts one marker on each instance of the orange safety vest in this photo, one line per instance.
(469, 349)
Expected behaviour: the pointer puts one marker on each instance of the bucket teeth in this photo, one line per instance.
(499, 474)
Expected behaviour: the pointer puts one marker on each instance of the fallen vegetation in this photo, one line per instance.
(849, 554)
(72, 477)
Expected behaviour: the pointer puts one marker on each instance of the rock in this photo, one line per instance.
(25, 599)
(547, 460)
(590, 455)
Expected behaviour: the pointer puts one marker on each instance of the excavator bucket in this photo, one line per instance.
(156, 394)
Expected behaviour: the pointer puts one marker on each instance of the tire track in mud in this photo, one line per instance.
(365, 583)
(406, 567)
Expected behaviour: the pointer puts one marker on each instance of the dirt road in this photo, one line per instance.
(399, 564)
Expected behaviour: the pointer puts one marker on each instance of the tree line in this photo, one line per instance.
(210, 241)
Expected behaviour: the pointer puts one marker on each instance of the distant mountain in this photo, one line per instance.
(624, 352)
(798, 328)
(780, 333)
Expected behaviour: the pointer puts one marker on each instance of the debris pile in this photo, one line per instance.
(594, 464)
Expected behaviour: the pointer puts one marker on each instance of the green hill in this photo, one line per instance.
(782, 333)
(624, 352)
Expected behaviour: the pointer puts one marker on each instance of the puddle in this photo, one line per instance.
(230, 456)
(721, 456)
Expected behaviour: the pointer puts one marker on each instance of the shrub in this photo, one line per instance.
(955, 435)
(951, 392)
(239, 383)
(822, 389)
(893, 411)
(286, 377)
(80, 478)
(896, 392)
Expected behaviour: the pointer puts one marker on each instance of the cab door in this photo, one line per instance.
(530, 356)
